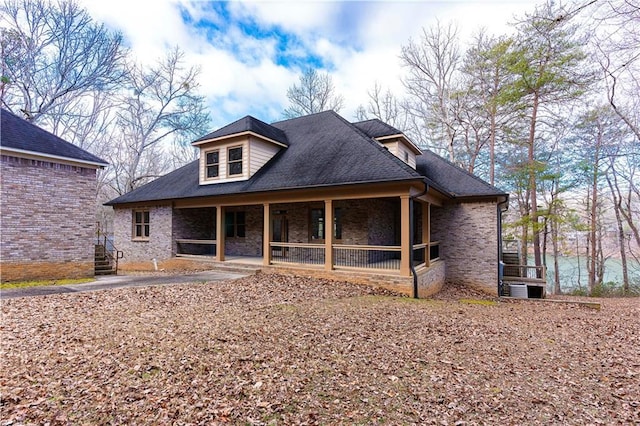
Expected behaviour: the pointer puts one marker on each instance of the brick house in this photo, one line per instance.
(47, 200)
(321, 195)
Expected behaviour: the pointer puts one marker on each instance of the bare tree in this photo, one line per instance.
(432, 65)
(616, 43)
(315, 93)
(388, 108)
(162, 106)
(53, 53)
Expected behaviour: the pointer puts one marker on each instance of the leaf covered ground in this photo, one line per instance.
(278, 349)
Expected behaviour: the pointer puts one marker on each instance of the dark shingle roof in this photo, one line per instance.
(19, 134)
(451, 179)
(376, 129)
(248, 124)
(324, 150)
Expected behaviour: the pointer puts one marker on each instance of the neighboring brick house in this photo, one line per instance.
(323, 195)
(47, 200)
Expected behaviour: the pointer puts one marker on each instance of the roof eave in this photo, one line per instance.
(292, 188)
(233, 135)
(410, 143)
(34, 155)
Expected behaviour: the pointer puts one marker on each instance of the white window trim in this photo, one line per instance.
(208, 151)
(242, 161)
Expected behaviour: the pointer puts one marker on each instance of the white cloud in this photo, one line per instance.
(249, 52)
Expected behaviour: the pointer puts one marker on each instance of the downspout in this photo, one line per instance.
(412, 236)
(501, 207)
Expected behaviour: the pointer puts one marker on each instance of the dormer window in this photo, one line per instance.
(213, 164)
(236, 152)
(235, 160)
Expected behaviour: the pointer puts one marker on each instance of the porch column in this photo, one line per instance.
(220, 231)
(266, 235)
(405, 238)
(328, 235)
(426, 231)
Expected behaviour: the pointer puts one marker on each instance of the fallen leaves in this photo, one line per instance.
(272, 349)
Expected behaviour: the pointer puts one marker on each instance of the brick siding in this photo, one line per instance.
(468, 238)
(48, 225)
(160, 244)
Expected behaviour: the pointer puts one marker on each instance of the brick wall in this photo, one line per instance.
(48, 225)
(251, 243)
(160, 243)
(198, 224)
(468, 238)
(431, 280)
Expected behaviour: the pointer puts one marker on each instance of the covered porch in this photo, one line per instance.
(380, 235)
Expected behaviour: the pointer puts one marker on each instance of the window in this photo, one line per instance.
(234, 224)
(141, 224)
(406, 157)
(212, 166)
(318, 224)
(235, 161)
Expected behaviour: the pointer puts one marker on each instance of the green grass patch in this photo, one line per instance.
(479, 302)
(22, 284)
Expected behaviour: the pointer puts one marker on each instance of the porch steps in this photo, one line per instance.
(102, 263)
(511, 259)
(227, 266)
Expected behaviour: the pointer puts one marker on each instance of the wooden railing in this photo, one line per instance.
(345, 256)
(525, 273)
(420, 251)
(511, 246)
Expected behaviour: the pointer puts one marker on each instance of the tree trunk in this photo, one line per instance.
(593, 212)
(617, 208)
(556, 254)
(533, 184)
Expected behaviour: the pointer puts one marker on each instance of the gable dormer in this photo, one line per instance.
(401, 147)
(392, 139)
(237, 151)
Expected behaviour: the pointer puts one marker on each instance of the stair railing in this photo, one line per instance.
(110, 252)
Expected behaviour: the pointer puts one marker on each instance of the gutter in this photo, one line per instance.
(501, 207)
(412, 236)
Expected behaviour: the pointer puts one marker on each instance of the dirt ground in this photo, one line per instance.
(276, 349)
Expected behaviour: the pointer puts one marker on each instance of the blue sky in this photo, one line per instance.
(251, 52)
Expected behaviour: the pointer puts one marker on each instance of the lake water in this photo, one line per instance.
(573, 272)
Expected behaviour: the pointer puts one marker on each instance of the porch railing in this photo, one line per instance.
(345, 256)
(511, 246)
(420, 252)
(524, 273)
(297, 253)
(185, 246)
(366, 257)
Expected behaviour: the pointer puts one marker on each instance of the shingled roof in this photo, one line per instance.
(452, 180)
(247, 124)
(377, 129)
(20, 136)
(323, 150)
